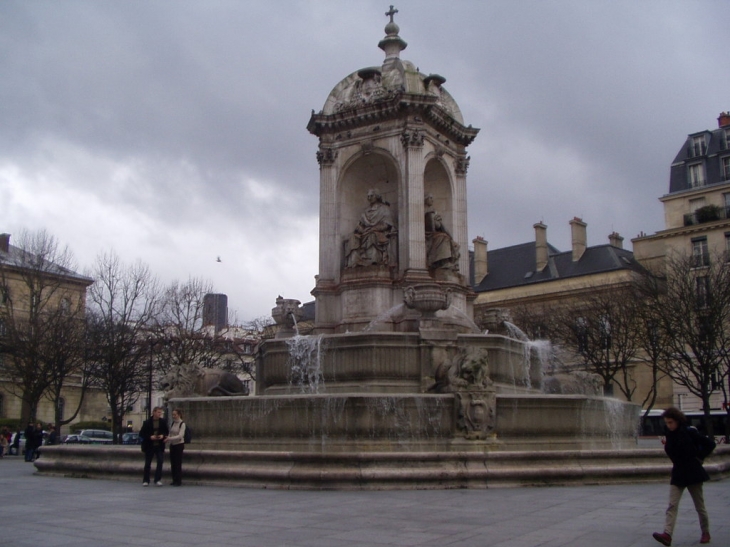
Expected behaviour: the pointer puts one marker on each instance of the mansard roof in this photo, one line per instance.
(708, 154)
(515, 266)
(17, 259)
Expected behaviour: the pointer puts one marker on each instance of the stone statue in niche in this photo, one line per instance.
(369, 244)
(441, 249)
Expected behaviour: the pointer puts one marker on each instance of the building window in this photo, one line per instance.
(2, 406)
(700, 253)
(727, 246)
(702, 283)
(725, 167)
(698, 146)
(695, 204)
(696, 175)
(725, 140)
(61, 408)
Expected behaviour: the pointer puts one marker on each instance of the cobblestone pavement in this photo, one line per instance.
(50, 511)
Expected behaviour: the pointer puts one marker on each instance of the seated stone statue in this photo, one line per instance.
(441, 249)
(369, 244)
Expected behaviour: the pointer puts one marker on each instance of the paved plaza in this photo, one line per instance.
(49, 511)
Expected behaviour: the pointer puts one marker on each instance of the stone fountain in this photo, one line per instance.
(396, 387)
(396, 366)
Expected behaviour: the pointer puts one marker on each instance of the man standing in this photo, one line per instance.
(29, 442)
(154, 432)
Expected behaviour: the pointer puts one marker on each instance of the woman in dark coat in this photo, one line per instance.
(687, 472)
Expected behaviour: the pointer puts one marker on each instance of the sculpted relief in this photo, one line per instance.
(370, 243)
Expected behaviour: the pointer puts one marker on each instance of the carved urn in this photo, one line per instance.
(427, 298)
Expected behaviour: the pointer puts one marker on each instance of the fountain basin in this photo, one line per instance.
(380, 470)
(360, 422)
(392, 362)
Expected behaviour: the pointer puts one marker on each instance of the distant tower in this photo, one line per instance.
(215, 311)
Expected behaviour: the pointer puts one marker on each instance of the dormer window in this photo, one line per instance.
(725, 167)
(698, 146)
(696, 175)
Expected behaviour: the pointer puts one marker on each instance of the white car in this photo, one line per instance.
(98, 436)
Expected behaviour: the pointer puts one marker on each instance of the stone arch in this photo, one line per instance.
(437, 182)
(376, 169)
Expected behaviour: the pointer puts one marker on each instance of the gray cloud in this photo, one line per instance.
(175, 131)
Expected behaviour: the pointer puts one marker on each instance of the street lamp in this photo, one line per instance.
(149, 379)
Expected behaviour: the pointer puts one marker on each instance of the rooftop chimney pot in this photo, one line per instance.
(541, 247)
(480, 259)
(724, 119)
(616, 240)
(579, 237)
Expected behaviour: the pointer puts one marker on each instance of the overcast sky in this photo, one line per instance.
(174, 131)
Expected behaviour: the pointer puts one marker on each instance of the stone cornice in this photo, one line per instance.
(394, 108)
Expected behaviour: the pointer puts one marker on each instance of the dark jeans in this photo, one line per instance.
(153, 452)
(176, 456)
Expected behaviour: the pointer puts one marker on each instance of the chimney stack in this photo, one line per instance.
(5, 243)
(480, 259)
(616, 240)
(580, 240)
(723, 120)
(541, 248)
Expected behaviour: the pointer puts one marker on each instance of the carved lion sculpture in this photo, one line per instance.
(202, 382)
(468, 370)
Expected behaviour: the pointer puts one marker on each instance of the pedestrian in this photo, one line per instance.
(154, 432)
(177, 445)
(52, 435)
(38, 441)
(15, 445)
(29, 442)
(681, 446)
(4, 441)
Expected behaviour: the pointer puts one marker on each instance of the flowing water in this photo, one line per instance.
(305, 363)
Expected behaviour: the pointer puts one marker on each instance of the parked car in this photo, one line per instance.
(98, 436)
(76, 439)
(131, 438)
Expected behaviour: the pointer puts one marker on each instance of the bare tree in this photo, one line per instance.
(690, 302)
(63, 352)
(37, 287)
(601, 331)
(123, 308)
(264, 325)
(183, 340)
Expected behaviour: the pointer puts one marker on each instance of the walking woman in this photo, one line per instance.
(177, 445)
(687, 472)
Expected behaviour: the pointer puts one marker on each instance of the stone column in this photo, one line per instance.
(413, 242)
(329, 248)
(461, 165)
